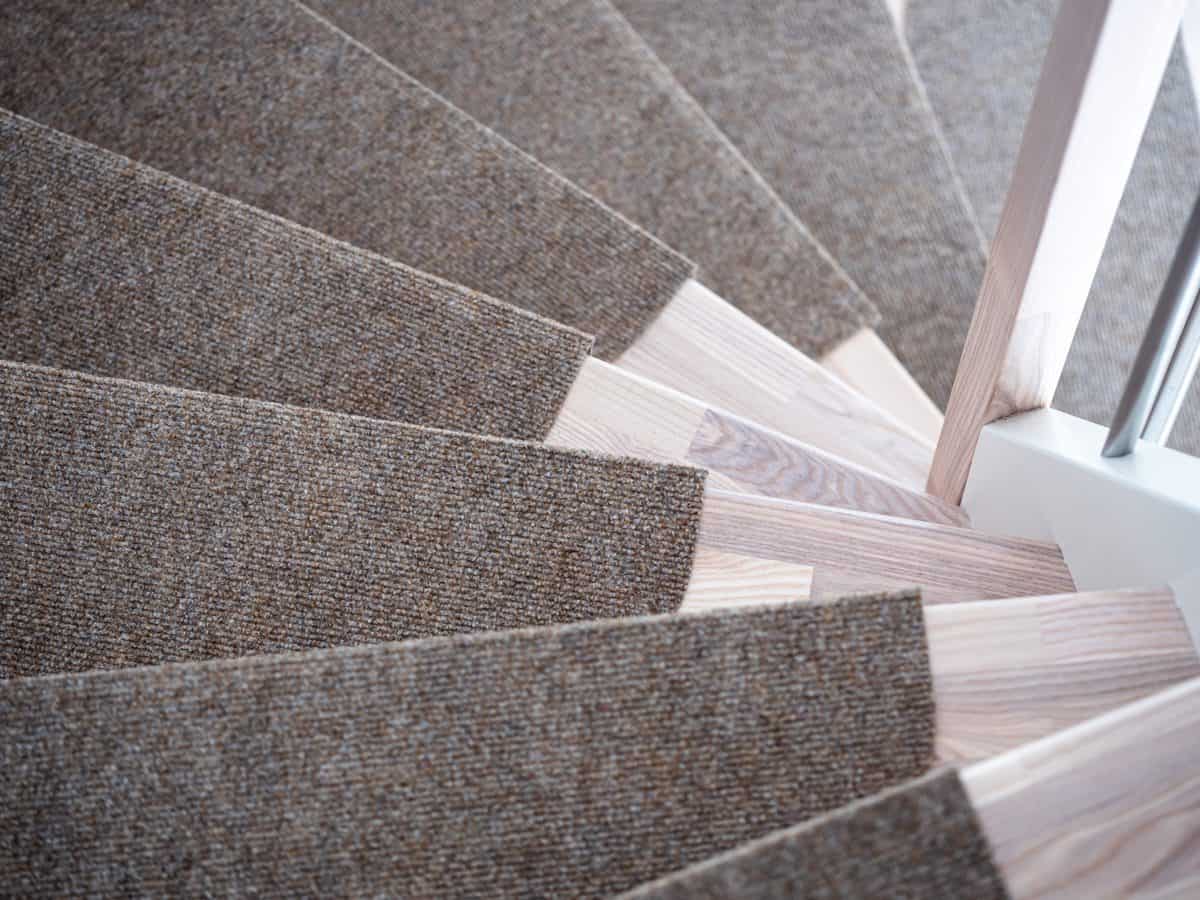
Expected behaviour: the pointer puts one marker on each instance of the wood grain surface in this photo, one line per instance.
(1109, 808)
(727, 580)
(610, 410)
(702, 346)
(1006, 672)
(864, 362)
(854, 552)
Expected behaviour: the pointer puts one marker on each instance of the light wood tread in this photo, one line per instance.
(1108, 808)
(865, 363)
(727, 580)
(1006, 672)
(855, 552)
(702, 346)
(610, 410)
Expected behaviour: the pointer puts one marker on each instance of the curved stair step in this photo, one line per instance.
(367, 155)
(121, 270)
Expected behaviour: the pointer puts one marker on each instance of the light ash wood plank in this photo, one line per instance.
(758, 461)
(1007, 672)
(703, 347)
(865, 363)
(609, 410)
(1098, 84)
(727, 580)
(1109, 808)
(853, 552)
(612, 411)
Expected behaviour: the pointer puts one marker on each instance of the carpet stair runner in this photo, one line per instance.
(119, 269)
(219, 526)
(298, 119)
(820, 98)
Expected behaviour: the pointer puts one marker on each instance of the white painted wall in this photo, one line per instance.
(1126, 522)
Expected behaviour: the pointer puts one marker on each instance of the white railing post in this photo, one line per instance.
(1098, 84)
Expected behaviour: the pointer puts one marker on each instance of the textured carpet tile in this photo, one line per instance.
(820, 97)
(572, 83)
(577, 761)
(145, 524)
(980, 60)
(262, 101)
(920, 841)
(114, 268)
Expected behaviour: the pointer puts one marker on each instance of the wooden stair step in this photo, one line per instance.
(211, 289)
(852, 552)
(599, 107)
(443, 173)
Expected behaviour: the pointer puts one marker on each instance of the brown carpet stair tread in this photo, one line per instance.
(115, 268)
(289, 114)
(217, 296)
(145, 522)
(264, 102)
(919, 840)
(1070, 815)
(821, 98)
(600, 755)
(575, 86)
(130, 496)
(318, 522)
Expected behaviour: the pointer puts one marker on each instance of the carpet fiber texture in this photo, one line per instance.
(262, 101)
(920, 841)
(576, 761)
(114, 268)
(145, 524)
(820, 97)
(980, 60)
(572, 83)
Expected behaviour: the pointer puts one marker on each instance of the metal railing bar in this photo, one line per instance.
(1173, 310)
(1180, 373)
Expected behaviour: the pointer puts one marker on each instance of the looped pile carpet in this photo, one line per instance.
(144, 524)
(576, 761)
(920, 840)
(114, 268)
(263, 101)
(574, 85)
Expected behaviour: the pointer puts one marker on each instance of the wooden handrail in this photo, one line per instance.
(1098, 84)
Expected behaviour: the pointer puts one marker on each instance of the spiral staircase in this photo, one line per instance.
(503, 550)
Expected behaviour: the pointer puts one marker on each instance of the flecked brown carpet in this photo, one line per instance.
(572, 83)
(262, 101)
(144, 524)
(920, 841)
(820, 96)
(576, 761)
(114, 268)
